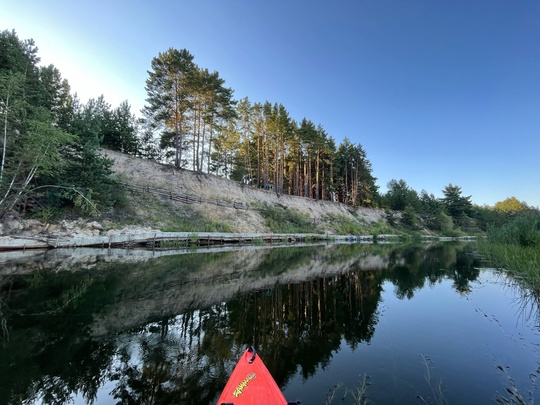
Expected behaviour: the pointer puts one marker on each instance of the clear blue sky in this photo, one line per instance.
(437, 92)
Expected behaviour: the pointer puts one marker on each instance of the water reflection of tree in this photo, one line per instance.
(410, 268)
(187, 358)
(49, 332)
(56, 372)
(305, 322)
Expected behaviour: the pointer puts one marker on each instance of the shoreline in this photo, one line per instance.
(159, 239)
(166, 240)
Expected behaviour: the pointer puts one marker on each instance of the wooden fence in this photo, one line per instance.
(189, 199)
(185, 198)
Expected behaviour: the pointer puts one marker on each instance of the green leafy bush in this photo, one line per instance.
(281, 220)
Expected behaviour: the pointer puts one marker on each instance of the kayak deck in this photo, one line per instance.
(251, 383)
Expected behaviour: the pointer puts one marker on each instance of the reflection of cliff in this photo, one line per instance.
(146, 295)
(281, 300)
(20, 262)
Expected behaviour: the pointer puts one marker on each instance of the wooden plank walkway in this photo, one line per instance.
(169, 240)
(158, 239)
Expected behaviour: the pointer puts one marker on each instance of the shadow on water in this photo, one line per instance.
(169, 329)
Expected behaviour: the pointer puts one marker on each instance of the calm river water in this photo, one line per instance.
(336, 324)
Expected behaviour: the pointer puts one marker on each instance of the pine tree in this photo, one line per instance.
(456, 205)
(119, 130)
(170, 88)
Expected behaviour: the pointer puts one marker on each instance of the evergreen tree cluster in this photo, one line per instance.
(450, 214)
(199, 126)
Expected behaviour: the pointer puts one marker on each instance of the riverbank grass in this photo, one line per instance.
(523, 262)
(516, 248)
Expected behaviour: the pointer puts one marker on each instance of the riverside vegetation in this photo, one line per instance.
(515, 246)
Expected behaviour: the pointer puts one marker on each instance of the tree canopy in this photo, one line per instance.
(49, 145)
(511, 206)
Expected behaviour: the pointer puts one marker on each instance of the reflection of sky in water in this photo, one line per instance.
(461, 339)
(177, 344)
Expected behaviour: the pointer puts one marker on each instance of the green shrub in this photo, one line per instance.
(46, 214)
(281, 220)
(216, 226)
(379, 227)
(257, 242)
(344, 225)
(452, 233)
(409, 218)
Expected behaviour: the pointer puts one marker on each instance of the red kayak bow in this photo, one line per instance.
(251, 383)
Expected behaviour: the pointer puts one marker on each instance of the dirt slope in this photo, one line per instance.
(140, 172)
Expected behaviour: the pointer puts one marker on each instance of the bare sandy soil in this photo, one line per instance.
(140, 172)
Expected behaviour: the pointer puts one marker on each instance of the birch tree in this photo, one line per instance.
(11, 85)
(39, 154)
